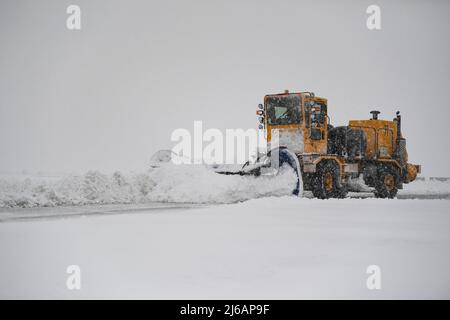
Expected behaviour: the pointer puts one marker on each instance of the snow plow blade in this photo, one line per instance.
(249, 169)
(255, 172)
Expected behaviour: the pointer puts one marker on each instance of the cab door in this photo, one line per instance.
(316, 126)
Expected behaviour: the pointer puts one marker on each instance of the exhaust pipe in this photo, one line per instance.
(375, 114)
(401, 142)
(399, 124)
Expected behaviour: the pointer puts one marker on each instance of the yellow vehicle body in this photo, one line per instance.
(372, 147)
(381, 137)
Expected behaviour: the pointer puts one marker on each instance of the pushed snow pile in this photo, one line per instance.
(168, 183)
(197, 184)
(90, 188)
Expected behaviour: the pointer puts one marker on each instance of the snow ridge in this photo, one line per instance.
(167, 183)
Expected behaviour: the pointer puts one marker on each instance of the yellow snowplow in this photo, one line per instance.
(327, 157)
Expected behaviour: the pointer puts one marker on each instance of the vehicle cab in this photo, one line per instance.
(300, 119)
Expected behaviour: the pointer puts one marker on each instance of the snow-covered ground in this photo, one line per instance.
(275, 247)
(187, 232)
(168, 183)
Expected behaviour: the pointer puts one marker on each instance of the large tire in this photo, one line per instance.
(326, 182)
(386, 183)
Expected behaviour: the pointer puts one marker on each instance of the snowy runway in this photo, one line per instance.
(284, 247)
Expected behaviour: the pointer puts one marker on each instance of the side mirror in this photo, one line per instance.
(260, 106)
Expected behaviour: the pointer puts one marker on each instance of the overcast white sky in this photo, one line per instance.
(108, 96)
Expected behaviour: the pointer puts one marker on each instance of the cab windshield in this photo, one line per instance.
(283, 110)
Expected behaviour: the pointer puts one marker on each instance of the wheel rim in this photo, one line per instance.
(328, 181)
(389, 182)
